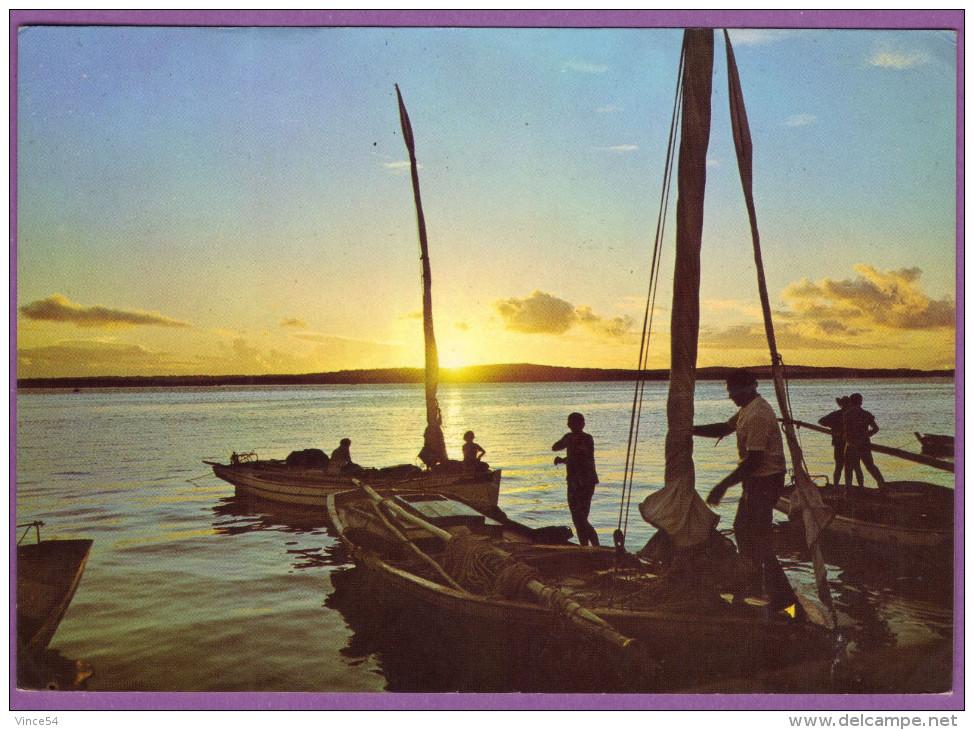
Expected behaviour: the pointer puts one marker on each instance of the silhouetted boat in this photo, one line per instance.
(910, 516)
(907, 515)
(934, 444)
(298, 484)
(458, 567)
(48, 574)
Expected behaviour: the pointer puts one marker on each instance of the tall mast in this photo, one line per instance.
(677, 509)
(434, 446)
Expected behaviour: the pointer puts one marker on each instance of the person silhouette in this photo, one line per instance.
(580, 475)
(472, 452)
(761, 474)
(833, 422)
(859, 426)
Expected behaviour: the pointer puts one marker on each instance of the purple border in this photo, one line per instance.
(895, 19)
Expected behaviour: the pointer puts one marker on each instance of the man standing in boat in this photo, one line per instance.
(581, 476)
(833, 422)
(859, 426)
(761, 472)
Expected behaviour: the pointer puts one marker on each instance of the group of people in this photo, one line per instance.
(341, 462)
(852, 428)
(760, 471)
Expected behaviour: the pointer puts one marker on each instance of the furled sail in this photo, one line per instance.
(677, 509)
(434, 445)
(808, 505)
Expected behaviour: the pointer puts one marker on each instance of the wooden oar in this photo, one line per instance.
(890, 451)
(552, 597)
(419, 553)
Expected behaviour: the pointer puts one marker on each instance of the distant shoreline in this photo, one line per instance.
(512, 373)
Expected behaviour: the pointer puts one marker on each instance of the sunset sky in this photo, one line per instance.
(236, 200)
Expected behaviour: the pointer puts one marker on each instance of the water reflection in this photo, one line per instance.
(236, 516)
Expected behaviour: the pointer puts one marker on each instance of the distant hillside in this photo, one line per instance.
(511, 373)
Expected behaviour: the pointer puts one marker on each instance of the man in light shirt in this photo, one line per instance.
(761, 472)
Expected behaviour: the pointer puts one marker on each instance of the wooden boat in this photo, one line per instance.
(303, 485)
(274, 480)
(906, 515)
(456, 566)
(915, 518)
(48, 574)
(935, 444)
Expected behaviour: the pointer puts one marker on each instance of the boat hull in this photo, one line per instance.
(933, 444)
(275, 482)
(48, 574)
(694, 647)
(911, 516)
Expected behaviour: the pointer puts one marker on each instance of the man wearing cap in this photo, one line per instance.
(761, 472)
(833, 422)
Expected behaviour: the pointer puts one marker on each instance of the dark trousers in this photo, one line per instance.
(579, 504)
(752, 530)
(862, 452)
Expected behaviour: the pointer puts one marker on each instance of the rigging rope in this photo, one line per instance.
(635, 418)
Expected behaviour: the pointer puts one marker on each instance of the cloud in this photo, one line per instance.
(543, 313)
(399, 167)
(757, 36)
(800, 120)
(294, 322)
(620, 148)
(892, 300)
(58, 308)
(585, 67)
(887, 58)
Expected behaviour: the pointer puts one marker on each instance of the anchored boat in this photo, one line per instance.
(294, 481)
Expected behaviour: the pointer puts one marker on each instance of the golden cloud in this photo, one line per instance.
(58, 308)
(543, 313)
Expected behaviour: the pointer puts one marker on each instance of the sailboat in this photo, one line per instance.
(676, 612)
(304, 478)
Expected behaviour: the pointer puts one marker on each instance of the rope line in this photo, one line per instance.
(635, 418)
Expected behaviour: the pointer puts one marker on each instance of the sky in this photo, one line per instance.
(237, 200)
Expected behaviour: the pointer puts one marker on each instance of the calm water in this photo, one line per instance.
(188, 590)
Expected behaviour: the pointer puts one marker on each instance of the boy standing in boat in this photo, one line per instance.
(761, 472)
(859, 426)
(579, 460)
